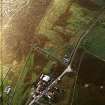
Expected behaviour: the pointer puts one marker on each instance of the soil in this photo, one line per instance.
(91, 82)
(89, 4)
(20, 34)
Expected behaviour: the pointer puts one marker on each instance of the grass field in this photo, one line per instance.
(62, 24)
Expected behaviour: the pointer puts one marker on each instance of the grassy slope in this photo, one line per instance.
(76, 23)
(47, 23)
(78, 19)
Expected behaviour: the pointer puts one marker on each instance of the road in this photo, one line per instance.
(69, 69)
